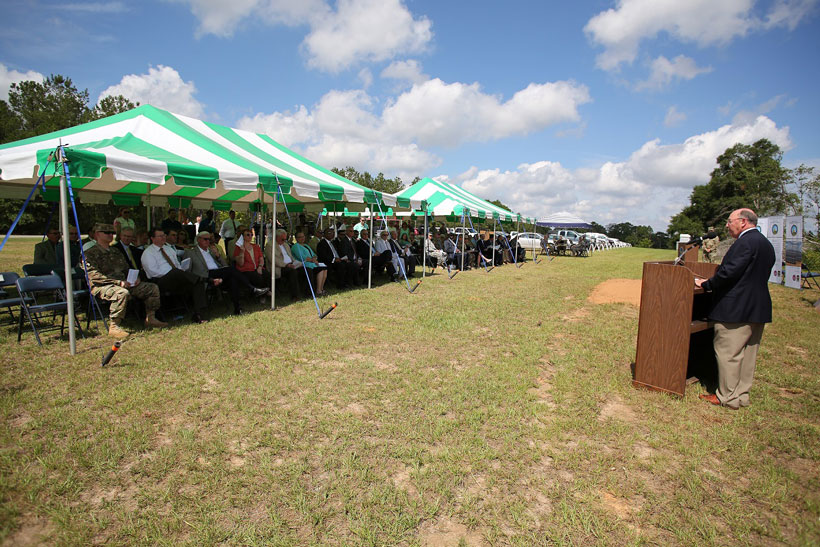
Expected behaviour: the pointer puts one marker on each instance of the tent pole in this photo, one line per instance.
(493, 240)
(69, 289)
(273, 256)
(518, 231)
(148, 210)
(424, 244)
(463, 237)
(370, 260)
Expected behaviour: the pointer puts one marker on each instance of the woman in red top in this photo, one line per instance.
(250, 261)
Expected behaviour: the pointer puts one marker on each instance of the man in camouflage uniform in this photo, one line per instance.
(709, 247)
(107, 273)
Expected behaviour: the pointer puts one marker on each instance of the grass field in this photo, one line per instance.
(490, 409)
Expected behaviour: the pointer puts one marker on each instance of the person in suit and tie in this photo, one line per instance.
(45, 252)
(288, 270)
(211, 267)
(399, 252)
(741, 306)
(346, 245)
(340, 266)
(132, 254)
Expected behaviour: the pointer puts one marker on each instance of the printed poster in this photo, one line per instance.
(794, 250)
(773, 230)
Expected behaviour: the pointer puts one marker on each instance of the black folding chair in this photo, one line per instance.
(42, 296)
(8, 302)
(30, 270)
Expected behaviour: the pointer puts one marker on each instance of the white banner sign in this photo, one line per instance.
(772, 228)
(794, 250)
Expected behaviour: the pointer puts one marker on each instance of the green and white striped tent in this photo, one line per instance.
(448, 200)
(157, 157)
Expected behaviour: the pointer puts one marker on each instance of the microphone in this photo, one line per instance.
(699, 240)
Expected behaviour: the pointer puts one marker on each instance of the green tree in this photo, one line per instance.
(379, 183)
(35, 108)
(497, 203)
(746, 176)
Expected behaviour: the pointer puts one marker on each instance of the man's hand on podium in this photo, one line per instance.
(699, 281)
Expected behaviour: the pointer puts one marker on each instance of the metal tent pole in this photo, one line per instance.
(493, 240)
(370, 259)
(69, 290)
(424, 244)
(463, 228)
(273, 255)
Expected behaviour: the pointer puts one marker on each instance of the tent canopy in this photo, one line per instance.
(150, 153)
(563, 220)
(445, 199)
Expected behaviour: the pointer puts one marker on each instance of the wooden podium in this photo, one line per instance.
(673, 335)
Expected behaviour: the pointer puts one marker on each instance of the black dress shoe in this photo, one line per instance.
(258, 291)
(239, 311)
(198, 319)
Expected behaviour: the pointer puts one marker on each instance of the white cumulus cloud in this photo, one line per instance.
(673, 117)
(340, 35)
(621, 30)
(348, 127)
(663, 71)
(408, 71)
(8, 77)
(646, 188)
(162, 87)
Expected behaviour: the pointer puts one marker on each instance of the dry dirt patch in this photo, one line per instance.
(615, 408)
(446, 532)
(613, 291)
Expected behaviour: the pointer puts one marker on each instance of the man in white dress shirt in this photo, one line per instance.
(161, 265)
(228, 234)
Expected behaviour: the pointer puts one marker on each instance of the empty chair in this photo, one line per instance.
(9, 302)
(42, 296)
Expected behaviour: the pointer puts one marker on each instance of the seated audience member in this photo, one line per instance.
(405, 239)
(107, 275)
(141, 239)
(339, 265)
(454, 255)
(45, 252)
(91, 240)
(402, 259)
(217, 248)
(73, 249)
(288, 270)
(346, 245)
(485, 249)
(312, 239)
(435, 256)
(162, 267)
(132, 255)
(249, 260)
(124, 220)
(172, 222)
(383, 255)
(210, 266)
(183, 241)
(306, 255)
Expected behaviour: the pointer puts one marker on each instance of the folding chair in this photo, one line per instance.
(35, 305)
(30, 270)
(8, 302)
(808, 277)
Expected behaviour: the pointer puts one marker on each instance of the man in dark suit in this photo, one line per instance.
(338, 264)
(741, 305)
(380, 260)
(132, 254)
(346, 246)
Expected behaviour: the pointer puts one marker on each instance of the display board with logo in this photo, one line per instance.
(794, 250)
(772, 228)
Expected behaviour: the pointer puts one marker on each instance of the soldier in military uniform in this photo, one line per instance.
(709, 247)
(107, 273)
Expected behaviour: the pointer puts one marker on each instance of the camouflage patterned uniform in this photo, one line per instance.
(709, 246)
(106, 268)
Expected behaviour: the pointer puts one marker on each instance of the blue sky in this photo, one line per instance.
(612, 110)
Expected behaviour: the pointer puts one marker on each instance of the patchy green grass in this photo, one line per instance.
(487, 409)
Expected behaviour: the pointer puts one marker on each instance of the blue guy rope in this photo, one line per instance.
(40, 179)
(321, 314)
